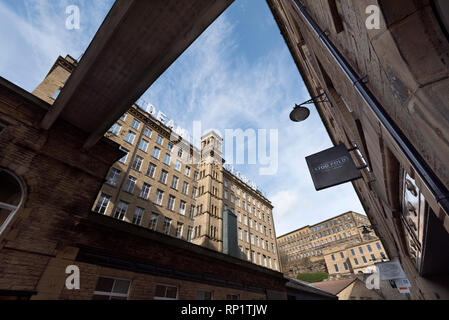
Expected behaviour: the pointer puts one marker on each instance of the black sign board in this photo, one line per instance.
(332, 167)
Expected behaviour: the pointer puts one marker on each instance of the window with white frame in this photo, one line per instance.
(171, 202)
(167, 225)
(182, 207)
(159, 197)
(115, 129)
(102, 203)
(156, 152)
(159, 140)
(137, 164)
(179, 228)
(174, 182)
(145, 193)
(113, 177)
(185, 188)
(130, 184)
(123, 117)
(11, 197)
(138, 214)
(151, 170)
(163, 178)
(153, 221)
(190, 234)
(166, 292)
(130, 136)
(147, 133)
(203, 295)
(187, 171)
(143, 145)
(123, 159)
(120, 212)
(178, 165)
(135, 124)
(167, 159)
(112, 289)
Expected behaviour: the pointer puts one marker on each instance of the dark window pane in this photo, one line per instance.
(160, 291)
(104, 284)
(121, 286)
(172, 292)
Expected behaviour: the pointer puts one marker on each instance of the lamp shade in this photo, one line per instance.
(299, 114)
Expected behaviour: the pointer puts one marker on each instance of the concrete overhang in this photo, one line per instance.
(136, 43)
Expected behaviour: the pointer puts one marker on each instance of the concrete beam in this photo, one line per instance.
(136, 43)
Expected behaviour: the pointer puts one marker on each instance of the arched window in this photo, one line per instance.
(11, 197)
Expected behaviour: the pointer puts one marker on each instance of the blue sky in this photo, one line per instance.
(238, 74)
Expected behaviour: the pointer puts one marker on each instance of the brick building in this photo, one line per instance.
(166, 184)
(310, 248)
(386, 91)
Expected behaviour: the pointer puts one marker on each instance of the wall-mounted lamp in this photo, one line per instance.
(301, 113)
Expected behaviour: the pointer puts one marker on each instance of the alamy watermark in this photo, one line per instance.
(72, 282)
(373, 20)
(73, 21)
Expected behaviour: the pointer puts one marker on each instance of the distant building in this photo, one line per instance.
(310, 248)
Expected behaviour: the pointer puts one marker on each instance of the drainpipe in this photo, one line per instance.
(419, 164)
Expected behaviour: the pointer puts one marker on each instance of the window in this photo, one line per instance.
(138, 214)
(163, 178)
(164, 292)
(123, 117)
(153, 221)
(143, 145)
(342, 255)
(361, 250)
(203, 295)
(373, 257)
(182, 207)
(113, 177)
(356, 261)
(130, 137)
(111, 289)
(232, 297)
(169, 147)
(156, 152)
(147, 133)
(151, 170)
(123, 159)
(137, 164)
(345, 265)
(369, 248)
(115, 129)
(353, 252)
(55, 94)
(187, 172)
(11, 197)
(185, 188)
(159, 140)
(130, 184)
(121, 210)
(179, 228)
(144, 194)
(333, 258)
(383, 255)
(178, 165)
(364, 259)
(240, 234)
(336, 267)
(190, 234)
(174, 182)
(159, 197)
(167, 224)
(135, 124)
(101, 207)
(167, 159)
(180, 152)
(378, 246)
(171, 202)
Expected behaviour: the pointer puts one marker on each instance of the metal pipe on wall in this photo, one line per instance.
(419, 164)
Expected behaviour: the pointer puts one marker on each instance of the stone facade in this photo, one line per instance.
(304, 250)
(387, 91)
(166, 184)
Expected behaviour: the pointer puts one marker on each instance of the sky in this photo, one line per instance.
(238, 74)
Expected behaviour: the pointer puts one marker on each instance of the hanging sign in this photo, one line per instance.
(332, 167)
